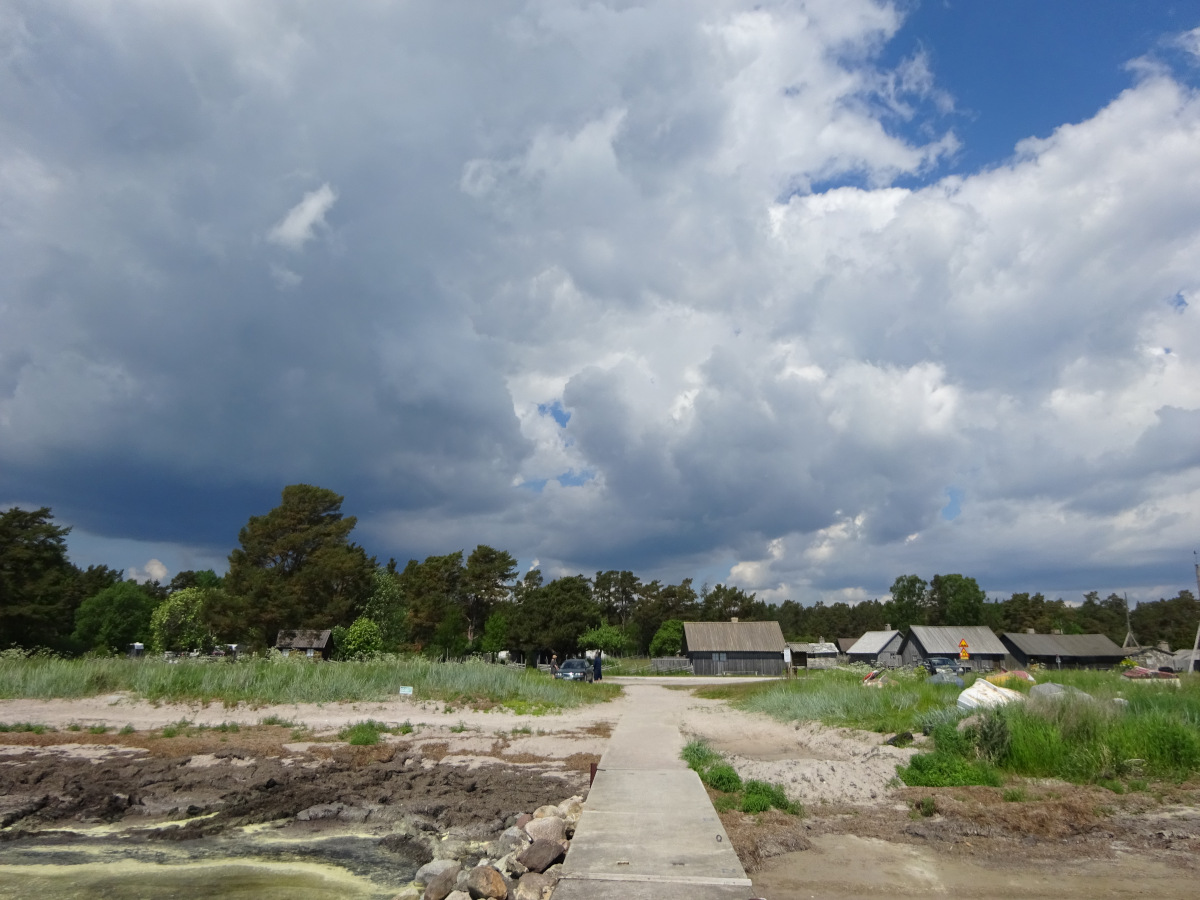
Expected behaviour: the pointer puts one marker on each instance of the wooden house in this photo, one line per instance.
(305, 642)
(985, 651)
(729, 648)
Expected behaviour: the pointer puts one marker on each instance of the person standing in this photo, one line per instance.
(553, 665)
(596, 676)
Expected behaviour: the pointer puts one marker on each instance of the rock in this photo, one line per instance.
(453, 849)
(512, 840)
(441, 886)
(1051, 691)
(319, 812)
(485, 883)
(540, 855)
(511, 865)
(522, 819)
(543, 811)
(408, 892)
(458, 895)
(432, 870)
(550, 828)
(903, 738)
(570, 810)
(535, 887)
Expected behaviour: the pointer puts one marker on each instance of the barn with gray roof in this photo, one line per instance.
(734, 648)
(877, 648)
(1074, 651)
(986, 651)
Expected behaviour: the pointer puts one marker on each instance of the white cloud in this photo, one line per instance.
(295, 229)
(153, 570)
(611, 208)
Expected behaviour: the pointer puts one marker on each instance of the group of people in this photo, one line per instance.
(596, 674)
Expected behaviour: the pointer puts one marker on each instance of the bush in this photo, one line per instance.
(362, 734)
(362, 639)
(722, 777)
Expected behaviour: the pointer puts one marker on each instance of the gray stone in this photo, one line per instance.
(535, 887)
(543, 811)
(442, 885)
(511, 865)
(485, 883)
(432, 870)
(570, 810)
(540, 855)
(550, 828)
(458, 895)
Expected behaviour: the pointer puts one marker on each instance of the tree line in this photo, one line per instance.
(296, 567)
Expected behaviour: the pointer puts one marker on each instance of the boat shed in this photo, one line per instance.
(878, 648)
(1073, 651)
(813, 654)
(734, 648)
(985, 651)
(305, 642)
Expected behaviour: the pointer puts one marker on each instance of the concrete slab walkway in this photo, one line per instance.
(648, 829)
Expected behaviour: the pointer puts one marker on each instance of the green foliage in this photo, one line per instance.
(363, 734)
(552, 617)
(1015, 795)
(385, 607)
(495, 633)
(772, 795)
(178, 623)
(296, 567)
(362, 639)
(114, 618)
(722, 777)
(927, 807)
(699, 755)
(754, 803)
(485, 583)
(954, 600)
(27, 727)
(39, 588)
(668, 640)
(608, 639)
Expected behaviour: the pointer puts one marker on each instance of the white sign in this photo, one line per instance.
(406, 690)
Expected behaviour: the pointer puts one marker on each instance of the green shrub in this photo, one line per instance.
(362, 734)
(927, 807)
(699, 756)
(1014, 795)
(755, 803)
(773, 794)
(722, 777)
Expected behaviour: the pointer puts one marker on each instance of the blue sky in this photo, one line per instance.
(799, 296)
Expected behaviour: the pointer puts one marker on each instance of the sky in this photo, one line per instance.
(795, 296)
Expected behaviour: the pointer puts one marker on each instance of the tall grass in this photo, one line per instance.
(1121, 730)
(276, 681)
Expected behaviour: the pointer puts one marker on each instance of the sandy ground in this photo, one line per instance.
(861, 833)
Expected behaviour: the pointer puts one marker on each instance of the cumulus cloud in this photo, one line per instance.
(660, 287)
(295, 229)
(153, 570)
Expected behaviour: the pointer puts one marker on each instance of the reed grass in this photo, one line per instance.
(282, 681)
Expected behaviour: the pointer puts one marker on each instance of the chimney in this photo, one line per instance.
(733, 619)
(887, 627)
(1056, 631)
(1031, 631)
(1164, 646)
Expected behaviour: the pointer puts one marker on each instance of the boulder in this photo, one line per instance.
(533, 886)
(511, 865)
(543, 811)
(432, 870)
(540, 855)
(442, 885)
(984, 695)
(522, 819)
(550, 828)
(1051, 691)
(458, 895)
(485, 883)
(570, 810)
(512, 840)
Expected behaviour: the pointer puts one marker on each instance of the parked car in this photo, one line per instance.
(575, 670)
(936, 665)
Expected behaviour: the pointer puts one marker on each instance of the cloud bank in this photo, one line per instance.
(669, 287)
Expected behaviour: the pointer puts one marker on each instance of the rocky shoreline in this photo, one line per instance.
(404, 815)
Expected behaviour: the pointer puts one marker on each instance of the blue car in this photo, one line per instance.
(575, 670)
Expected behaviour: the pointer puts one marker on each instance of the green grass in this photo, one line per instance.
(363, 734)
(280, 681)
(750, 797)
(1083, 741)
(27, 727)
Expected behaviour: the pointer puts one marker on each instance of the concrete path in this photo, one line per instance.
(648, 829)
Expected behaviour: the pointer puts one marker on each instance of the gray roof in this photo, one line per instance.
(844, 644)
(828, 647)
(874, 642)
(942, 640)
(738, 637)
(304, 639)
(1064, 644)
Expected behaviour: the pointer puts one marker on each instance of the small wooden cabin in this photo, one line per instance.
(734, 648)
(305, 642)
